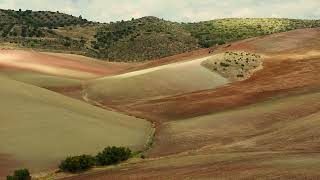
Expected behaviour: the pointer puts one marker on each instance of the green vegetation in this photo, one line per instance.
(77, 163)
(38, 29)
(109, 156)
(113, 155)
(221, 31)
(141, 39)
(21, 174)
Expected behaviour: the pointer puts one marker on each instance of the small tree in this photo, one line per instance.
(77, 163)
(21, 174)
(113, 155)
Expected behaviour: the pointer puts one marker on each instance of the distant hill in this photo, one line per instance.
(143, 39)
(140, 39)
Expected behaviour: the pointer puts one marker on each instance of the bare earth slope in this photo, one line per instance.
(291, 67)
(264, 127)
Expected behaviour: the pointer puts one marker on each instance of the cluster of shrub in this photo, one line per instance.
(109, 156)
(21, 174)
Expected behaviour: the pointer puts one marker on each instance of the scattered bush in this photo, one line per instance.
(21, 174)
(77, 163)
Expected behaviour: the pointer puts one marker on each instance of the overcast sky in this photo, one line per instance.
(176, 10)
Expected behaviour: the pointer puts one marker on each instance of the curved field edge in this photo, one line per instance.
(155, 82)
(40, 128)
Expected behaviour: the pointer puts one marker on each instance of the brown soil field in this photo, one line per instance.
(285, 72)
(264, 127)
(246, 165)
(73, 66)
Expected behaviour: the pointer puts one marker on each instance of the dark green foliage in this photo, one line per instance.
(113, 155)
(143, 39)
(77, 163)
(21, 174)
(109, 156)
(35, 23)
(224, 64)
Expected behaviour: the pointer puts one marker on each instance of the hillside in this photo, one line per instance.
(36, 29)
(143, 39)
(262, 127)
(147, 38)
(222, 31)
(40, 128)
(165, 80)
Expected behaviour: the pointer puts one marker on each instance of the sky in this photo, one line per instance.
(174, 10)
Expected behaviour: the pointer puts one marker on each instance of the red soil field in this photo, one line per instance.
(7, 165)
(271, 144)
(290, 68)
(78, 63)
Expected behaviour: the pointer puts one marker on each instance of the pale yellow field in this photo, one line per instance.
(39, 128)
(156, 82)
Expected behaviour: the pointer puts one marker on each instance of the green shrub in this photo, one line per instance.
(21, 174)
(77, 163)
(113, 155)
(224, 64)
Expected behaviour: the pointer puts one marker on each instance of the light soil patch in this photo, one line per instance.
(235, 66)
(39, 128)
(19, 62)
(156, 82)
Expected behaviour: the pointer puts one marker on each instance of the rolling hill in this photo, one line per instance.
(146, 38)
(40, 127)
(226, 98)
(160, 81)
(261, 127)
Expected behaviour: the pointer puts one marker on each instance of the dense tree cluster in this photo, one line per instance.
(109, 156)
(77, 163)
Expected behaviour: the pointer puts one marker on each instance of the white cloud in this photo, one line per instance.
(177, 10)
